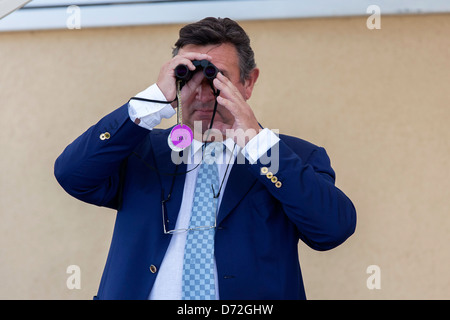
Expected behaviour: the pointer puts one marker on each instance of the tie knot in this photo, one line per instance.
(213, 151)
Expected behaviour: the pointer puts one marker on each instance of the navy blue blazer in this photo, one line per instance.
(260, 220)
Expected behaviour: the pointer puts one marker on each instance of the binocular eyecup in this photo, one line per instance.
(210, 71)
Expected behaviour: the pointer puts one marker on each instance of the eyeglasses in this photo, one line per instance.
(174, 231)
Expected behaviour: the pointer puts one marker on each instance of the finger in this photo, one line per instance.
(227, 82)
(193, 84)
(228, 89)
(196, 79)
(195, 56)
(225, 91)
(188, 57)
(229, 105)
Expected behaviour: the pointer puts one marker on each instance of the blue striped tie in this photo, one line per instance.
(198, 268)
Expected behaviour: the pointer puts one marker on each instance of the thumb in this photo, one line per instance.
(192, 84)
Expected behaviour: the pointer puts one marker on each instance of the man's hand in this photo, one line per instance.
(167, 81)
(245, 125)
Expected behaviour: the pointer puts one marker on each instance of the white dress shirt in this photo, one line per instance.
(168, 282)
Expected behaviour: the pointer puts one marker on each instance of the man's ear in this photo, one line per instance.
(250, 83)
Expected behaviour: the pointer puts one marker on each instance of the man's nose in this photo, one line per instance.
(204, 91)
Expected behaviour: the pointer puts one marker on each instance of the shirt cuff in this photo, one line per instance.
(150, 113)
(259, 145)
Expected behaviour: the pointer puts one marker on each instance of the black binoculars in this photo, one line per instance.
(210, 71)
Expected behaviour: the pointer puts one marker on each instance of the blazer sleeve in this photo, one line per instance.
(304, 184)
(89, 168)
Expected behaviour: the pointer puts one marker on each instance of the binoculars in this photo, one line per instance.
(210, 71)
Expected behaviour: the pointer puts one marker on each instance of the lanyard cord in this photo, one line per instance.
(224, 176)
(155, 101)
(179, 108)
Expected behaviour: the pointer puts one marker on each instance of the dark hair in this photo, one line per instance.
(217, 31)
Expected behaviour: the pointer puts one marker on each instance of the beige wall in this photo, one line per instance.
(377, 100)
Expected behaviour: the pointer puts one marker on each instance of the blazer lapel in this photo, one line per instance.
(239, 183)
(170, 174)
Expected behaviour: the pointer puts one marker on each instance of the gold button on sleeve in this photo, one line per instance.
(264, 170)
(269, 175)
(278, 184)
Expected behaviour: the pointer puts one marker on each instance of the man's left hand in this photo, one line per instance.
(245, 125)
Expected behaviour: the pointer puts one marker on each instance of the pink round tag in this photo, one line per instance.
(180, 137)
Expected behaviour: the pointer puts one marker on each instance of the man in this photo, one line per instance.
(251, 214)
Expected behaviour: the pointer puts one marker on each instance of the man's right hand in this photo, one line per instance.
(167, 81)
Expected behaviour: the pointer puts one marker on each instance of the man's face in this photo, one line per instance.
(200, 106)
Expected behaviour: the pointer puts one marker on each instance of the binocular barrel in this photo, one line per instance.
(210, 71)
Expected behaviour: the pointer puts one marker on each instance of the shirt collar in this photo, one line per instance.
(196, 146)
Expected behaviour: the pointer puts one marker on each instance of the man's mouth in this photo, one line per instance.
(204, 112)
